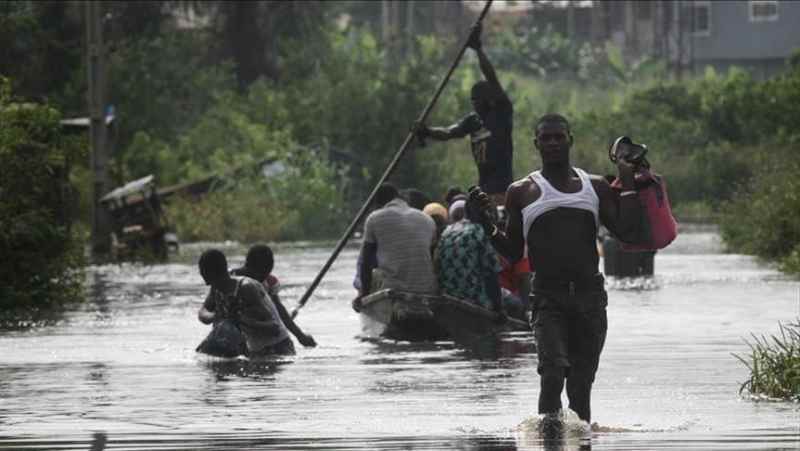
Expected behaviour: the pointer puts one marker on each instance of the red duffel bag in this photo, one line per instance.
(659, 224)
(661, 227)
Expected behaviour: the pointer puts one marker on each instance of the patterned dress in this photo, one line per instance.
(465, 257)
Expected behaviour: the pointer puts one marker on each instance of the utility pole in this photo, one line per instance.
(100, 240)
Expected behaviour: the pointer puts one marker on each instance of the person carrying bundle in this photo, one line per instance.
(556, 213)
(245, 319)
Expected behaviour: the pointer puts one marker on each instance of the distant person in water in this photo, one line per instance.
(398, 241)
(243, 302)
(556, 212)
(258, 265)
(489, 127)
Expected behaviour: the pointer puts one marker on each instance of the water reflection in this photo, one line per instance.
(510, 346)
(124, 363)
(99, 440)
(260, 369)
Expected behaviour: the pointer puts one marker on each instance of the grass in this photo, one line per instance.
(774, 364)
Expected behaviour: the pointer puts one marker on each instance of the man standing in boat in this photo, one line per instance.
(489, 128)
(557, 211)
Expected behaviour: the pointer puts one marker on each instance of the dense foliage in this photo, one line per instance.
(42, 257)
(333, 100)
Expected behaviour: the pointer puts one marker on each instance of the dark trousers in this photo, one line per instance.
(285, 347)
(570, 329)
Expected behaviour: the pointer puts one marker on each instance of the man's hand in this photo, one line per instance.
(206, 317)
(357, 304)
(421, 131)
(626, 173)
(307, 340)
(474, 41)
(487, 209)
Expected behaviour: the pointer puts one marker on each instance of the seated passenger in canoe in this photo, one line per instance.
(438, 213)
(457, 209)
(452, 193)
(397, 244)
(258, 265)
(239, 304)
(466, 262)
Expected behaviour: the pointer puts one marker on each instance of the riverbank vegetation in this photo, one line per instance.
(42, 253)
(332, 99)
(774, 364)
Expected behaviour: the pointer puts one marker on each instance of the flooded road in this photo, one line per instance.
(120, 372)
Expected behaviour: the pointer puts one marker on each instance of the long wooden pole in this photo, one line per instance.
(96, 72)
(387, 172)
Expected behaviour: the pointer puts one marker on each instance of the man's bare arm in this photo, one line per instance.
(511, 242)
(206, 314)
(487, 69)
(621, 214)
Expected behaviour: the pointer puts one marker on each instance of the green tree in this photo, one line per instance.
(41, 255)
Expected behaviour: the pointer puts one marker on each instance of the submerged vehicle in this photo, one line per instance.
(402, 315)
(139, 225)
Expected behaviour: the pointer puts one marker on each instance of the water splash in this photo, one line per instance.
(646, 283)
(563, 427)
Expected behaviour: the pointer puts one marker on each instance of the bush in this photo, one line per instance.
(774, 364)
(42, 257)
(764, 218)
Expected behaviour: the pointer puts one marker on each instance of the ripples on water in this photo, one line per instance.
(120, 372)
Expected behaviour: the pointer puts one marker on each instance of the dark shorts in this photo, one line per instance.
(570, 330)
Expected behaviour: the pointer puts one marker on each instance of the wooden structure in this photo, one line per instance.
(138, 224)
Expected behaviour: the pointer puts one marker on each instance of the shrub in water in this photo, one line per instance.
(774, 364)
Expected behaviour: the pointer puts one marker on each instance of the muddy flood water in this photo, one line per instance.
(120, 371)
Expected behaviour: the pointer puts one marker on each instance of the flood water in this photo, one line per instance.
(120, 372)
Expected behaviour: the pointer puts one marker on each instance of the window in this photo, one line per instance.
(763, 10)
(701, 18)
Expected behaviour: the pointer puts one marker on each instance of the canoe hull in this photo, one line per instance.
(401, 315)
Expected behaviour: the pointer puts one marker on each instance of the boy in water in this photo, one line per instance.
(258, 265)
(245, 303)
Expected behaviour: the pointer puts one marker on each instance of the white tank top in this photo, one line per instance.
(551, 198)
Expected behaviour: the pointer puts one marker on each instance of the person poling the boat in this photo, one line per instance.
(258, 265)
(397, 243)
(489, 127)
(244, 303)
(467, 264)
(557, 211)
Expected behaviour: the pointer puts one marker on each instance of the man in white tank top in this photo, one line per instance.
(556, 213)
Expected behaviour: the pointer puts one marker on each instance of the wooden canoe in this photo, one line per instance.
(401, 315)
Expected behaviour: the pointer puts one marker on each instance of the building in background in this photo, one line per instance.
(757, 35)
